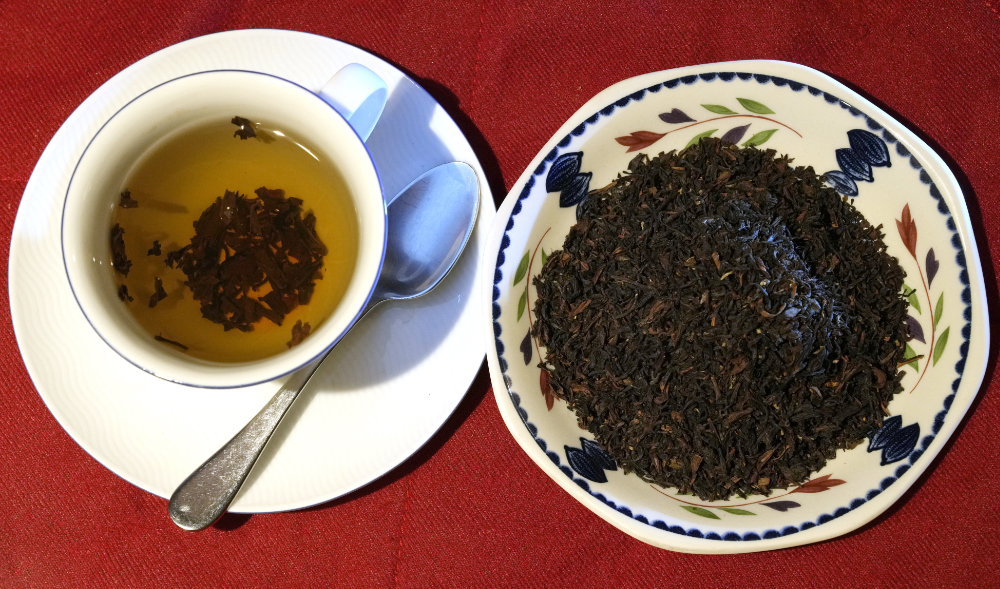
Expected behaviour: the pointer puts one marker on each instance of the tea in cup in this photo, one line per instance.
(228, 227)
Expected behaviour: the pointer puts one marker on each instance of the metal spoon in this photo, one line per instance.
(430, 222)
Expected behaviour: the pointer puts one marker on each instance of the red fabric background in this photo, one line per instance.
(471, 510)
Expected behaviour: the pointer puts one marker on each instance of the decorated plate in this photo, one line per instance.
(890, 175)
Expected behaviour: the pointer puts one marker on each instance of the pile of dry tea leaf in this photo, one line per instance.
(722, 322)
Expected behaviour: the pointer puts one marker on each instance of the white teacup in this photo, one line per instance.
(336, 121)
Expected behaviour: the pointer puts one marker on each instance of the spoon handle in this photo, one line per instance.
(205, 495)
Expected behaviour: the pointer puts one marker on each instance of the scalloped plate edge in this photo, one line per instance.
(972, 377)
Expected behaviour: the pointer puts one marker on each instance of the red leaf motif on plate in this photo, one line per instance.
(543, 381)
(908, 231)
(819, 485)
(639, 140)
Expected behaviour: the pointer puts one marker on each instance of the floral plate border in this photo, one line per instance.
(896, 442)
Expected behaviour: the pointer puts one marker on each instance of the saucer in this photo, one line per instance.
(384, 391)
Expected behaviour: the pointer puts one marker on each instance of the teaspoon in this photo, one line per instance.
(430, 222)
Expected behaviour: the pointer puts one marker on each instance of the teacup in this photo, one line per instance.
(336, 121)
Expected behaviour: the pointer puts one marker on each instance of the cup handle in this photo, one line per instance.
(359, 95)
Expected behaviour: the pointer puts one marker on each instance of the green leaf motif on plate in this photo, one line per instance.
(755, 107)
(545, 257)
(699, 137)
(719, 109)
(700, 511)
(521, 303)
(909, 353)
(735, 511)
(938, 309)
(522, 269)
(759, 138)
(941, 343)
(912, 297)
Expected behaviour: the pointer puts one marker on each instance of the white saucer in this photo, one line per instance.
(386, 389)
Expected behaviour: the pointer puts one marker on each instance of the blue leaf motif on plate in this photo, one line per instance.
(575, 191)
(895, 442)
(590, 461)
(932, 266)
(676, 116)
(842, 183)
(782, 505)
(563, 171)
(565, 178)
(735, 134)
(579, 461)
(597, 454)
(526, 348)
(869, 147)
(852, 165)
(916, 330)
(889, 428)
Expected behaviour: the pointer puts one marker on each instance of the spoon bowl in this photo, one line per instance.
(427, 231)
(430, 222)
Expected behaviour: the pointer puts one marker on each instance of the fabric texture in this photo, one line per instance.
(470, 509)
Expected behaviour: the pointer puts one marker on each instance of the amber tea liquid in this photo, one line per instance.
(181, 177)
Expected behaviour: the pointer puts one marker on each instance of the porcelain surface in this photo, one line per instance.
(390, 384)
(894, 179)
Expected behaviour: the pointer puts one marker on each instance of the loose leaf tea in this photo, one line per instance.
(160, 338)
(722, 322)
(257, 255)
(127, 202)
(246, 128)
(118, 257)
(158, 293)
(123, 294)
(242, 244)
(299, 333)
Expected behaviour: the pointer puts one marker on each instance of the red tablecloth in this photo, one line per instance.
(509, 73)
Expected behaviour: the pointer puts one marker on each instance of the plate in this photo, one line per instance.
(893, 177)
(383, 392)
